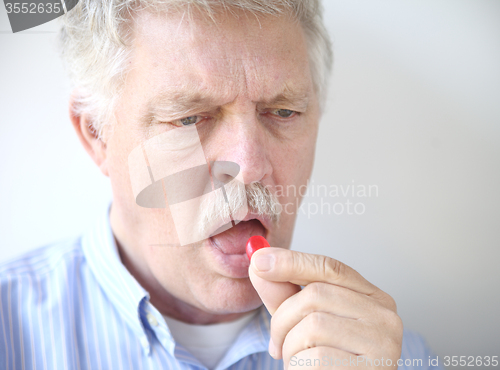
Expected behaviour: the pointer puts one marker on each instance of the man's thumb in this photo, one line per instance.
(272, 293)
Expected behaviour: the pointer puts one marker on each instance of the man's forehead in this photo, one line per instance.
(185, 69)
(230, 36)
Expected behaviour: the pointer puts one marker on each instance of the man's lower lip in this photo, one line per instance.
(232, 265)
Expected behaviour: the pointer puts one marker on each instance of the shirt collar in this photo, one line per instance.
(121, 288)
(253, 339)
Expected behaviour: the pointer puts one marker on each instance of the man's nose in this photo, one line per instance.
(223, 172)
(244, 141)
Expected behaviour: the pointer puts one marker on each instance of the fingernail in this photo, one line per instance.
(272, 349)
(264, 262)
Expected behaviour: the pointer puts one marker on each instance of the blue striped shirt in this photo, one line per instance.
(73, 305)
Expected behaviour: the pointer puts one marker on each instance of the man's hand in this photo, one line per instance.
(338, 314)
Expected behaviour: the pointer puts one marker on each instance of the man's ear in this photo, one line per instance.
(88, 136)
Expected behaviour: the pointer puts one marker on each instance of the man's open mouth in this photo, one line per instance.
(233, 240)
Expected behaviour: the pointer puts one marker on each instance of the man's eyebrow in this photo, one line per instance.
(176, 104)
(297, 99)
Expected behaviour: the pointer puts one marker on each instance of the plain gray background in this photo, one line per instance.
(414, 108)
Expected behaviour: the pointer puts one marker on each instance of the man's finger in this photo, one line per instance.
(320, 329)
(282, 265)
(320, 297)
(272, 293)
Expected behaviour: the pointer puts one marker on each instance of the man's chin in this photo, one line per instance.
(231, 297)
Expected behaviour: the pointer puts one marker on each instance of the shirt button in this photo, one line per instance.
(152, 320)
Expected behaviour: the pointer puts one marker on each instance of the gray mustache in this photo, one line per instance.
(255, 196)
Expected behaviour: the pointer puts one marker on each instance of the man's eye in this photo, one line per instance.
(191, 120)
(283, 113)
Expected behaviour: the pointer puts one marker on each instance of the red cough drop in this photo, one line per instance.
(255, 243)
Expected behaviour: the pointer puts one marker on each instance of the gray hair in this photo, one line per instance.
(93, 42)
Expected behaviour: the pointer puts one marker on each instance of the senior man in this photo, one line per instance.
(197, 111)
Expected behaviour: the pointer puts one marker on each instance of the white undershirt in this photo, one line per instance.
(208, 343)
